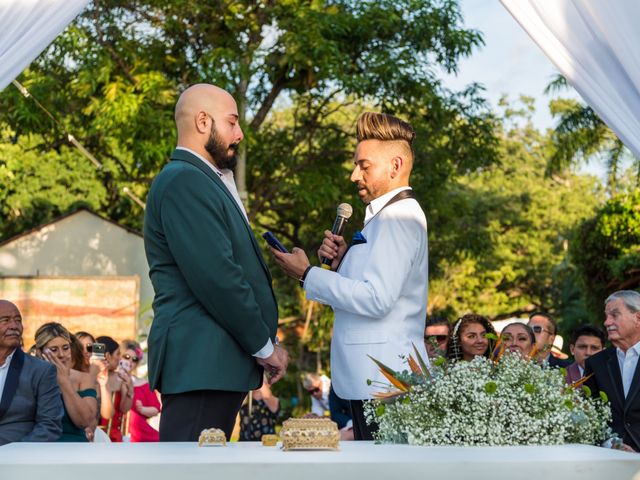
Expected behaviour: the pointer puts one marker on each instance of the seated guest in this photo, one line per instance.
(436, 336)
(54, 344)
(116, 391)
(31, 406)
(519, 338)
(586, 341)
(318, 387)
(259, 414)
(614, 370)
(86, 363)
(145, 402)
(468, 339)
(545, 329)
(340, 410)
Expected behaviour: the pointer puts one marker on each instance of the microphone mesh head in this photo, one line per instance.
(345, 210)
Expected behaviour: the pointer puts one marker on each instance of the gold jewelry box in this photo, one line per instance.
(212, 437)
(310, 434)
(269, 440)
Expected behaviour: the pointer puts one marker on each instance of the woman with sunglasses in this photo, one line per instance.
(116, 391)
(145, 402)
(85, 340)
(54, 344)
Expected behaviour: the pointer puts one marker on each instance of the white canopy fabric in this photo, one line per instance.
(27, 27)
(595, 45)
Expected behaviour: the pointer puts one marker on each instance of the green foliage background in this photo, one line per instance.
(512, 227)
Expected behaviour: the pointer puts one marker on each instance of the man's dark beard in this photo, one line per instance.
(218, 151)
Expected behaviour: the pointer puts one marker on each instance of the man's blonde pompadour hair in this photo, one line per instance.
(384, 127)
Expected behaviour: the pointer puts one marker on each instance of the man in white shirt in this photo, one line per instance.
(378, 290)
(614, 370)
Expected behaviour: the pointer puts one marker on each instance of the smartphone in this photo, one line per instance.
(274, 242)
(125, 365)
(96, 349)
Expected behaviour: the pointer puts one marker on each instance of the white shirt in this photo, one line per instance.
(319, 406)
(628, 362)
(378, 295)
(226, 176)
(4, 371)
(377, 204)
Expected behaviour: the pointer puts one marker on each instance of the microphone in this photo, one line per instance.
(342, 216)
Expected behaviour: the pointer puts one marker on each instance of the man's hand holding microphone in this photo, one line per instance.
(296, 264)
(330, 253)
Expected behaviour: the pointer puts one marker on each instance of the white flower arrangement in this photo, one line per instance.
(509, 401)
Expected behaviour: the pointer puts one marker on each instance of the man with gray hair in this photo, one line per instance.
(614, 370)
(318, 387)
(31, 407)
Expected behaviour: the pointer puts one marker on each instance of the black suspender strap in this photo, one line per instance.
(403, 195)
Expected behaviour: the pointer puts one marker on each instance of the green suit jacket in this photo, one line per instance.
(214, 305)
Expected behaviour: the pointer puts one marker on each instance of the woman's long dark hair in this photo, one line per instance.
(454, 347)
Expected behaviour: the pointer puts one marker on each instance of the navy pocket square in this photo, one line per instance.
(358, 238)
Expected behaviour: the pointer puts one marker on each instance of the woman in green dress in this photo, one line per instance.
(55, 344)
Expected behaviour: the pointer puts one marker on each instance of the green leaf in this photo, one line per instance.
(587, 391)
(439, 361)
(604, 397)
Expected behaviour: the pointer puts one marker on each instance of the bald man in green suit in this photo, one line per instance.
(215, 313)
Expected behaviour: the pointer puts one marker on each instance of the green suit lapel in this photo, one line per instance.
(184, 156)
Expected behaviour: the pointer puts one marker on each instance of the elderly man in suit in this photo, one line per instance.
(215, 312)
(30, 401)
(378, 289)
(614, 370)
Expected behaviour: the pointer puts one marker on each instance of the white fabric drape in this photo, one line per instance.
(27, 27)
(596, 45)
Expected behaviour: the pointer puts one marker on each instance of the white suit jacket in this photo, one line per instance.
(379, 297)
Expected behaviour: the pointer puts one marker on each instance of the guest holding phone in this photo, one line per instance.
(116, 390)
(54, 344)
(87, 363)
(145, 402)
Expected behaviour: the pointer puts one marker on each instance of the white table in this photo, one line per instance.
(355, 461)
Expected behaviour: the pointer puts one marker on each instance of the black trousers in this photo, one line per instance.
(361, 431)
(185, 415)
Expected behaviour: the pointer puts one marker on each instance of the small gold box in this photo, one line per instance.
(212, 437)
(310, 434)
(269, 440)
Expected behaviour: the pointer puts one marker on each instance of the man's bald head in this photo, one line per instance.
(207, 122)
(199, 98)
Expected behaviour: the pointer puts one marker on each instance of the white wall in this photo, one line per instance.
(80, 244)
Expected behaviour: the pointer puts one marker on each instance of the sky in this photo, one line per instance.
(509, 63)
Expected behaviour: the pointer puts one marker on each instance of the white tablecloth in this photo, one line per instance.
(355, 461)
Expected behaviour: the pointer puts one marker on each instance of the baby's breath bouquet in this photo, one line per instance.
(507, 401)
